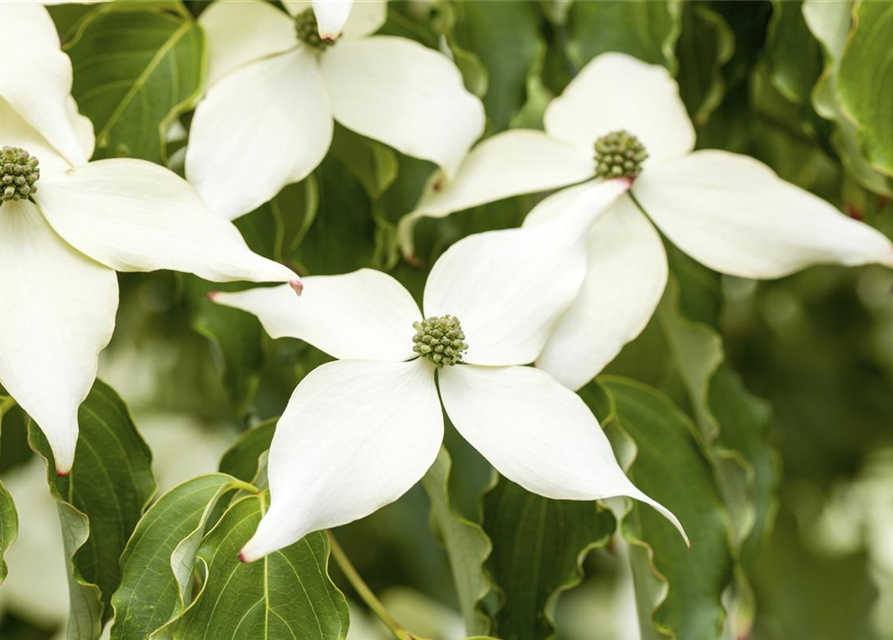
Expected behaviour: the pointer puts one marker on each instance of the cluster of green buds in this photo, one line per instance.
(307, 30)
(619, 154)
(19, 174)
(441, 340)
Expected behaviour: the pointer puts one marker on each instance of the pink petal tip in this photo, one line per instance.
(60, 473)
(212, 295)
(297, 286)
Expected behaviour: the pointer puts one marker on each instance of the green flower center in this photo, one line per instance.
(619, 154)
(441, 340)
(19, 174)
(307, 31)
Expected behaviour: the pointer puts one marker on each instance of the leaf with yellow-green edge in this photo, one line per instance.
(705, 45)
(831, 23)
(646, 29)
(156, 564)
(669, 464)
(137, 66)
(242, 460)
(864, 88)
(99, 503)
(9, 519)
(286, 595)
(467, 546)
(538, 549)
(794, 56)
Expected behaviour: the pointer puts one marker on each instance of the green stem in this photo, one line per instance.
(365, 592)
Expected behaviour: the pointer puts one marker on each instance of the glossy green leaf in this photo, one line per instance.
(794, 55)
(466, 543)
(137, 66)
(646, 29)
(831, 23)
(150, 592)
(670, 466)
(705, 45)
(505, 36)
(242, 459)
(538, 549)
(864, 89)
(99, 503)
(287, 595)
(9, 519)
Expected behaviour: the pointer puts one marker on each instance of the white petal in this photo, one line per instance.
(508, 164)
(733, 214)
(536, 433)
(626, 272)
(133, 215)
(244, 31)
(59, 314)
(405, 95)
(261, 127)
(331, 15)
(16, 132)
(616, 91)
(364, 315)
(509, 287)
(356, 436)
(365, 17)
(30, 47)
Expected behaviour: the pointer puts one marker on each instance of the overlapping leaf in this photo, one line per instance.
(99, 503)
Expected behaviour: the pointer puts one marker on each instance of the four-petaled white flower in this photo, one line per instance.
(360, 431)
(66, 226)
(276, 86)
(620, 116)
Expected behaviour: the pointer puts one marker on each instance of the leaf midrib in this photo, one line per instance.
(143, 78)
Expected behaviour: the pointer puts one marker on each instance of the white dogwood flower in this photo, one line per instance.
(360, 431)
(66, 226)
(622, 117)
(276, 86)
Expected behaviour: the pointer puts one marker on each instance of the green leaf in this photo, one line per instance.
(288, 594)
(793, 54)
(670, 466)
(466, 543)
(150, 593)
(242, 459)
(538, 549)
(864, 90)
(99, 503)
(830, 23)
(9, 518)
(235, 339)
(705, 45)
(646, 29)
(137, 66)
(505, 36)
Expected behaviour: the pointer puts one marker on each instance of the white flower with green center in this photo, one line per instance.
(359, 432)
(66, 226)
(623, 119)
(276, 86)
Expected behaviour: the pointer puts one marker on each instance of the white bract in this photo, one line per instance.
(359, 432)
(276, 86)
(66, 226)
(728, 211)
